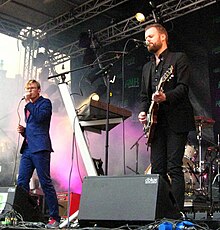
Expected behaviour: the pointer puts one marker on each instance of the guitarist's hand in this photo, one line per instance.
(159, 96)
(142, 117)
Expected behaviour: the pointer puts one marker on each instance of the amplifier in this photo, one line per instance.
(63, 203)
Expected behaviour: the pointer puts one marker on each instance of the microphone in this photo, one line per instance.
(26, 94)
(103, 70)
(144, 43)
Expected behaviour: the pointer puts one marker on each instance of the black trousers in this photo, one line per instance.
(167, 151)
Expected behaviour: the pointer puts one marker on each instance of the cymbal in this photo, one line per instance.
(204, 121)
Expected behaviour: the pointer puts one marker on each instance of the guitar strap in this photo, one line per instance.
(168, 61)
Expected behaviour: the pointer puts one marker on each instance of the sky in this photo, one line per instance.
(12, 54)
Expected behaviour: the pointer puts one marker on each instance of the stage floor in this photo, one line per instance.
(192, 220)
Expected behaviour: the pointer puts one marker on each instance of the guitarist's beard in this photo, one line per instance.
(154, 47)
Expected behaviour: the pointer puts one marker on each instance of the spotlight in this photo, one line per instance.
(85, 110)
(140, 17)
(94, 97)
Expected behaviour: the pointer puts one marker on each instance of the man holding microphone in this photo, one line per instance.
(36, 148)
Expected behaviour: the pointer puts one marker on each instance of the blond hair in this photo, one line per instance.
(32, 81)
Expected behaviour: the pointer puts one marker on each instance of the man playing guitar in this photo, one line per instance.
(174, 113)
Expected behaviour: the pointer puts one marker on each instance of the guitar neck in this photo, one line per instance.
(151, 105)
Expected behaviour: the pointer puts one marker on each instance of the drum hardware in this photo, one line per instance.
(210, 183)
(218, 174)
(190, 155)
(218, 164)
(211, 158)
(190, 176)
(191, 170)
(217, 159)
(201, 122)
(189, 180)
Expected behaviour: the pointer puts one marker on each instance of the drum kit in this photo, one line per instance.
(200, 174)
(199, 170)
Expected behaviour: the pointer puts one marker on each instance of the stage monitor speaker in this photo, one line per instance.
(21, 201)
(116, 200)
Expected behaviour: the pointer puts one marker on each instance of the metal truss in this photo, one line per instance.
(168, 11)
(173, 9)
(29, 71)
(78, 15)
(65, 21)
(9, 28)
(3, 2)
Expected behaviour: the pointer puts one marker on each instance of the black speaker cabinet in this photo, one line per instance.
(117, 200)
(7, 195)
(20, 200)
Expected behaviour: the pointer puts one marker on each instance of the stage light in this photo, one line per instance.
(84, 109)
(156, 15)
(140, 17)
(94, 97)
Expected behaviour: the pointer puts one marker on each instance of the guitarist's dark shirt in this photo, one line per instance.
(177, 110)
(156, 73)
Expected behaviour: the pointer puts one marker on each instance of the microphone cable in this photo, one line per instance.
(13, 179)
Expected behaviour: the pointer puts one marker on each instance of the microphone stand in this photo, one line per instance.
(108, 81)
(77, 69)
(199, 138)
(107, 122)
(137, 148)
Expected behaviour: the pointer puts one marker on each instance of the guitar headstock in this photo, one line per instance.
(168, 74)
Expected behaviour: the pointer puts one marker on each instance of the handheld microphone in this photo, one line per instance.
(144, 43)
(24, 96)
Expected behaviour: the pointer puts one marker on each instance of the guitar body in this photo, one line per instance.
(149, 127)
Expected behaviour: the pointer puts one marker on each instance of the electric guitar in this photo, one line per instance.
(151, 122)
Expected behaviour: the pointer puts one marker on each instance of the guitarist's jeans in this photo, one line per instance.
(167, 151)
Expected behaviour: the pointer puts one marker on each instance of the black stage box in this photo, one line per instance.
(118, 200)
(21, 201)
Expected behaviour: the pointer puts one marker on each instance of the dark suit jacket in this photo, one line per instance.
(36, 133)
(178, 109)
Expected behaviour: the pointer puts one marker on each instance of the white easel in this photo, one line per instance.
(75, 124)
